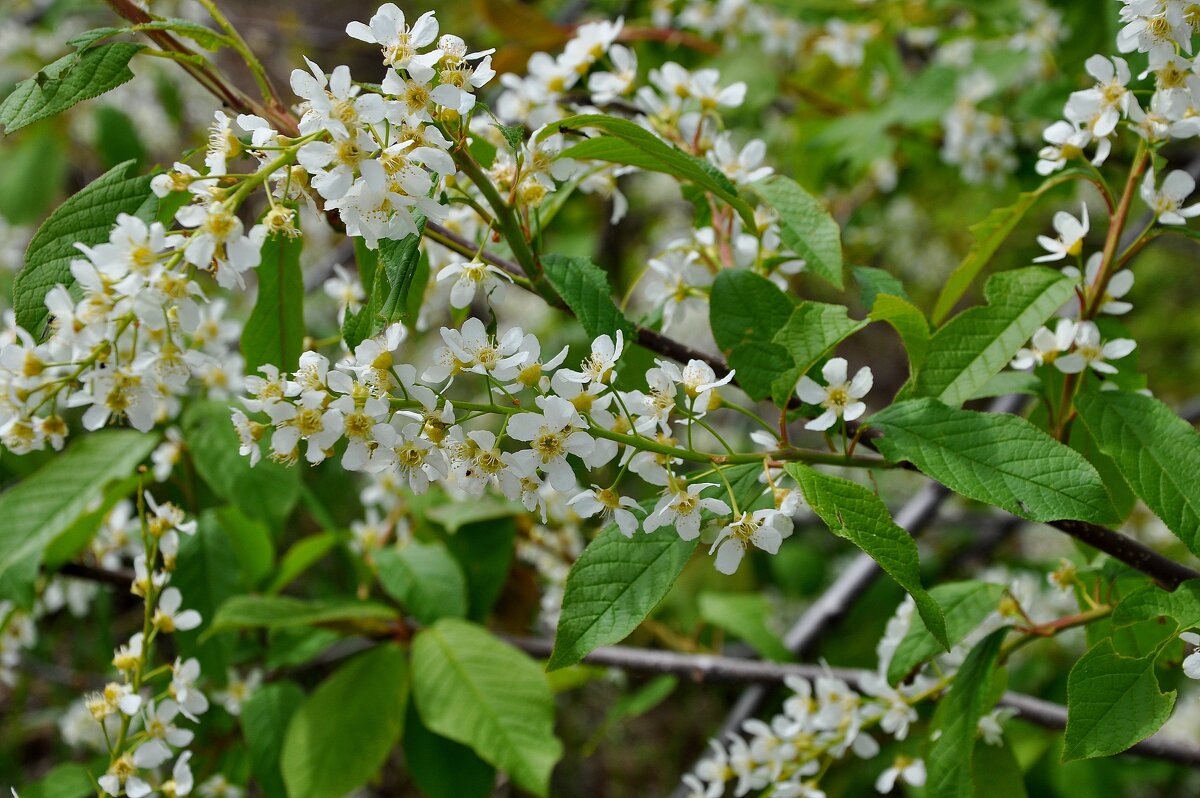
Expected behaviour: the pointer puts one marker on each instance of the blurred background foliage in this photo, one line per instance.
(868, 137)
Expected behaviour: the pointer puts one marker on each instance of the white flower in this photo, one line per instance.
(841, 398)
(991, 725)
(699, 382)
(181, 781)
(1071, 232)
(1091, 351)
(608, 86)
(764, 529)
(470, 276)
(398, 41)
(553, 434)
(1167, 202)
(1118, 286)
(600, 365)
(191, 701)
(680, 508)
(122, 775)
(238, 690)
(605, 502)
(161, 733)
(1191, 664)
(903, 769)
(1046, 345)
(169, 618)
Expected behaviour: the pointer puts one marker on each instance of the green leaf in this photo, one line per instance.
(909, 322)
(805, 227)
(964, 605)
(34, 176)
(1156, 451)
(628, 143)
(812, 331)
(856, 514)
(949, 760)
(69, 80)
(86, 218)
(277, 612)
(1007, 383)
(250, 542)
(208, 575)
(63, 781)
(425, 579)
(302, 555)
(584, 287)
(995, 458)
(997, 773)
(399, 260)
(1150, 602)
(989, 235)
(40, 507)
(872, 282)
(264, 719)
(745, 616)
(267, 491)
(1112, 703)
(357, 327)
(513, 134)
(342, 734)
(484, 551)
(479, 691)
(746, 311)
(978, 343)
(613, 586)
(442, 768)
(274, 333)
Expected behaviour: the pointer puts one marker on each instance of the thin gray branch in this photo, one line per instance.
(705, 667)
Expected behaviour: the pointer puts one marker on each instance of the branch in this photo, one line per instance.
(706, 667)
(1168, 573)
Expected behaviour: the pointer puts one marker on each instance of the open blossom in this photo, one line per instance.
(552, 435)
(1118, 286)
(841, 398)
(1167, 201)
(1046, 345)
(763, 529)
(607, 503)
(904, 770)
(1069, 243)
(1091, 351)
(601, 364)
(470, 277)
(1191, 663)
(680, 507)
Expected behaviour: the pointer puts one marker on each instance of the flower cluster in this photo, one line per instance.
(387, 418)
(826, 719)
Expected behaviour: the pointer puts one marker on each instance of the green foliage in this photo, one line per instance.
(277, 612)
(425, 579)
(625, 142)
(584, 287)
(389, 278)
(746, 312)
(442, 768)
(264, 720)
(950, 757)
(274, 332)
(71, 79)
(745, 616)
(301, 556)
(812, 331)
(995, 458)
(65, 781)
(267, 491)
(86, 218)
(989, 235)
(805, 227)
(476, 690)
(856, 514)
(964, 606)
(1112, 702)
(342, 734)
(977, 344)
(1156, 451)
(34, 174)
(909, 322)
(1152, 603)
(44, 504)
(613, 586)
(872, 282)
(484, 551)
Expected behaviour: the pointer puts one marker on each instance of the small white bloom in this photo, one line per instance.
(1091, 351)
(841, 398)
(903, 769)
(1071, 232)
(764, 529)
(1167, 202)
